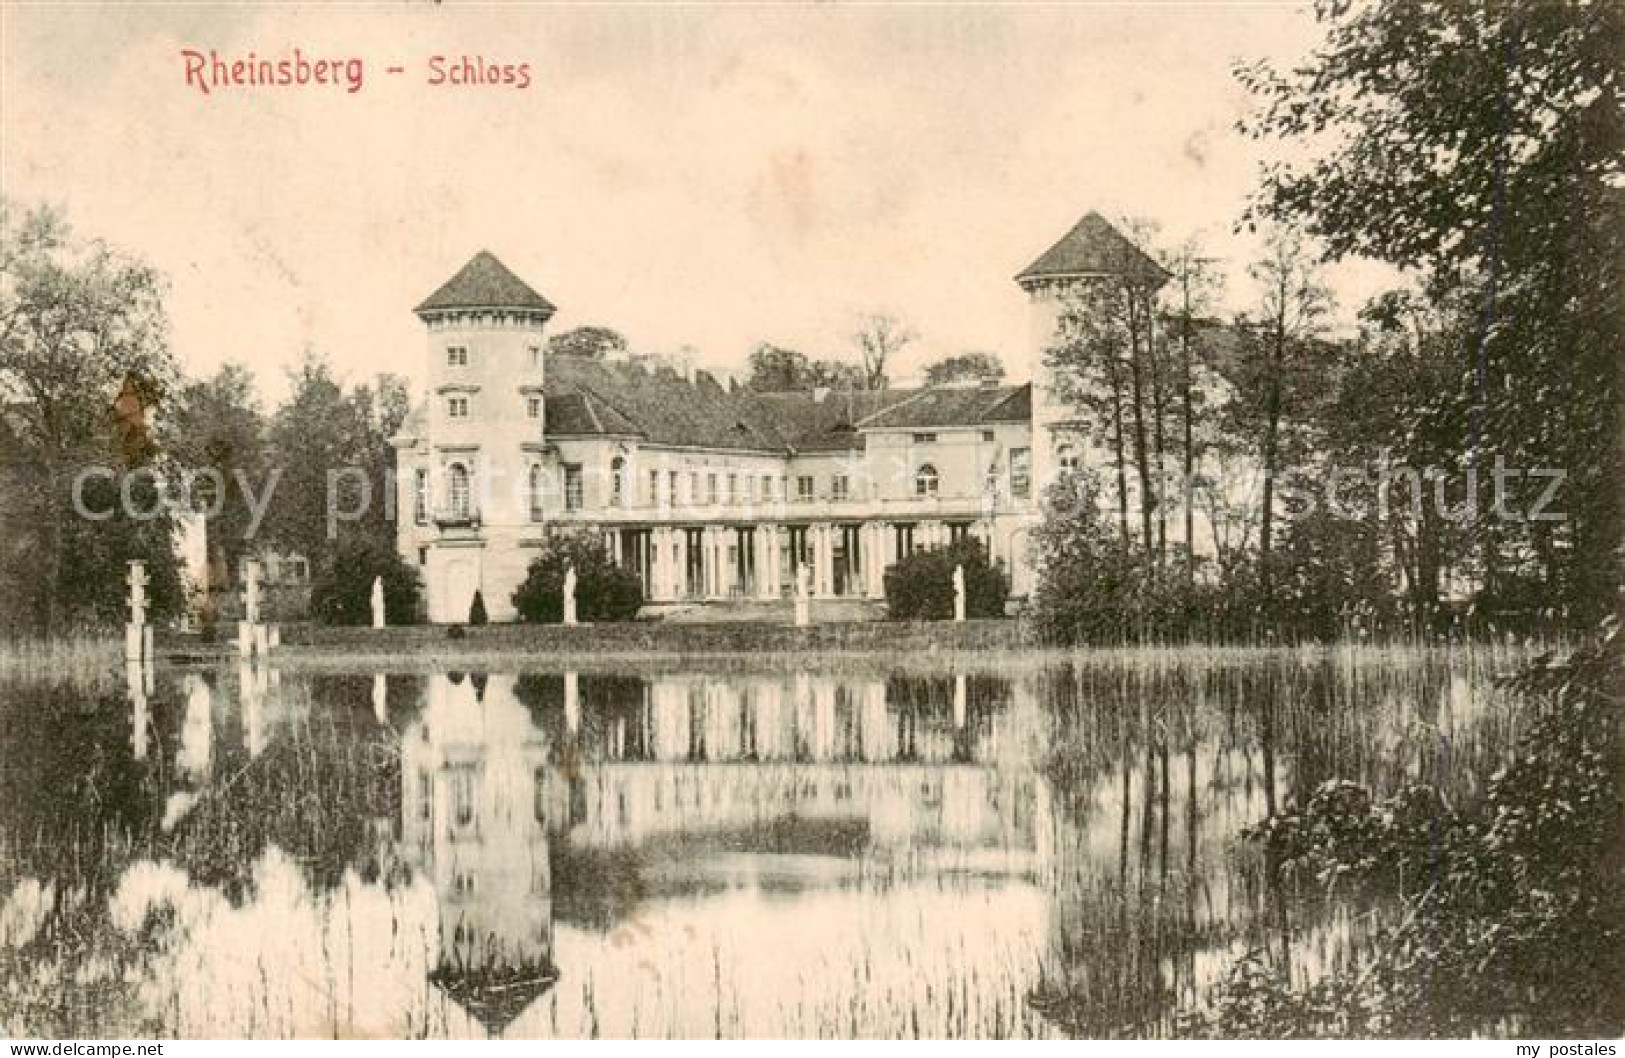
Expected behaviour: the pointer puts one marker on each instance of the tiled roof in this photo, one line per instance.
(942, 406)
(601, 398)
(589, 396)
(1093, 247)
(485, 283)
(823, 422)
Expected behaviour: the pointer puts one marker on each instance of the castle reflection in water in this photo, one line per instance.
(496, 768)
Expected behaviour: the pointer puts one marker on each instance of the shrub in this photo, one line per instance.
(476, 610)
(604, 591)
(342, 591)
(920, 587)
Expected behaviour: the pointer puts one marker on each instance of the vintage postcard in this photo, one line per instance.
(810, 521)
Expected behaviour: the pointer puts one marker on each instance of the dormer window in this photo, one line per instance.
(925, 438)
(456, 356)
(457, 407)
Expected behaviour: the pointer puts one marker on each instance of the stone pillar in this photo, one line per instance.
(823, 561)
(679, 561)
(767, 561)
(137, 633)
(380, 698)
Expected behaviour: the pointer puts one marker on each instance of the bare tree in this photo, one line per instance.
(879, 338)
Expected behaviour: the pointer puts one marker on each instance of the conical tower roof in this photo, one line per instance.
(485, 283)
(1093, 248)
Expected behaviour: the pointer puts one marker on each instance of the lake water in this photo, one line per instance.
(1027, 846)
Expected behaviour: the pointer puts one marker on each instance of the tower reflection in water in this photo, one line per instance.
(501, 774)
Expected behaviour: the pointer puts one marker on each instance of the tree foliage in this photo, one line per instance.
(79, 324)
(920, 587)
(1478, 144)
(964, 367)
(341, 592)
(604, 591)
(592, 341)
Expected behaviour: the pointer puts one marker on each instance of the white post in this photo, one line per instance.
(140, 713)
(961, 694)
(959, 594)
(137, 635)
(378, 602)
(380, 698)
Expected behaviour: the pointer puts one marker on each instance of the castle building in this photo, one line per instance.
(709, 493)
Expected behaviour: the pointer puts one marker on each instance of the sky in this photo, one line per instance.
(693, 176)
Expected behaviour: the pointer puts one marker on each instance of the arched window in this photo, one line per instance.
(457, 491)
(925, 480)
(1066, 457)
(535, 488)
(617, 481)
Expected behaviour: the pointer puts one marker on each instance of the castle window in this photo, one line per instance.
(456, 356)
(672, 483)
(1066, 457)
(926, 480)
(537, 485)
(533, 407)
(767, 487)
(617, 481)
(990, 480)
(457, 407)
(711, 488)
(987, 435)
(733, 488)
(925, 438)
(840, 487)
(420, 496)
(457, 491)
(572, 487)
(535, 352)
(804, 488)
(654, 488)
(1021, 473)
(750, 489)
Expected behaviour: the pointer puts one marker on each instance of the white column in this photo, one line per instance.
(767, 564)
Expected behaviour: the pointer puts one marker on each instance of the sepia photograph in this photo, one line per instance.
(811, 521)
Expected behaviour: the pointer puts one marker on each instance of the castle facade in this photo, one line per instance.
(712, 493)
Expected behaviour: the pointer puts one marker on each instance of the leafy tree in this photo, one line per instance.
(604, 591)
(1088, 584)
(775, 369)
(78, 321)
(218, 429)
(920, 587)
(592, 341)
(1478, 143)
(341, 592)
(1280, 370)
(973, 366)
(320, 436)
(476, 610)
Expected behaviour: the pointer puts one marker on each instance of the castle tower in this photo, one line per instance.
(481, 432)
(1092, 253)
